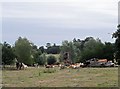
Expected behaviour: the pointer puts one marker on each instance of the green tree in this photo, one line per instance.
(109, 50)
(35, 53)
(53, 49)
(42, 49)
(41, 60)
(23, 50)
(117, 43)
(0, 53)
(70, 48)
(92, 49)
(48, 45)
(7, 54)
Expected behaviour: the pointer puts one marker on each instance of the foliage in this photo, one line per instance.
(78, 50)
(109, 50)
(53, 49)
(41, 60)
(35, 53)
(42, 49)
(51, 60)
(7, 54)
(71, 49)
(23, 50)
(48, 45)
(92, 49)
(117, 43)
(82, 50)
(0, 53)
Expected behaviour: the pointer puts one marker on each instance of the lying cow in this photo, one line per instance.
(61, 66)
(75, 66)
(49, 66)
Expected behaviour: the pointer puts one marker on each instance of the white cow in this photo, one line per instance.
(24, 66)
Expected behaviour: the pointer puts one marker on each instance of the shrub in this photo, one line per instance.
(41, 60)
(51, 60)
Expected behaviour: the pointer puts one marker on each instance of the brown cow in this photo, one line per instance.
(102, 60)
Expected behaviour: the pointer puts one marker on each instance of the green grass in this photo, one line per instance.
(84, 77)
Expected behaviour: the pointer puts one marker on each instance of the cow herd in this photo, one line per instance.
(63, 66)
(92, 63)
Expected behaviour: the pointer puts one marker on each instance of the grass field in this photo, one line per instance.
(84, 77)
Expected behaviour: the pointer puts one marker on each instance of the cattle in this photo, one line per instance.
(20, 66)
(36, 65)
(49, 66)
(61, 66)
(75, 66)
(24, 66)
(102, 60)
(81, 65)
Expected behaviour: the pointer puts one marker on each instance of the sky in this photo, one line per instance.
(44, 21)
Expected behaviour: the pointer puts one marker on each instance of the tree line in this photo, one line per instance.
(79, 50)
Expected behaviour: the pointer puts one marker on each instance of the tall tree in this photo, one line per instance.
(48, 45)
(92, 49)
(0, 53)
(7, 54)
(42, 49)
(70, 48)
(54, 49)
(109, 50)
(23, 50)
(117, 43)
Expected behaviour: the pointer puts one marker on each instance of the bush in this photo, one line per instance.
(41, 59)
(51, 60)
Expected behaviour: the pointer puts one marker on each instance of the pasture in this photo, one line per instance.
(39, 77)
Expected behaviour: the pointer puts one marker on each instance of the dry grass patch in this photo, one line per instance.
(84, 77)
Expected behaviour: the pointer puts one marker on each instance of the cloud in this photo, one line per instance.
(56, 20)
(60, 9)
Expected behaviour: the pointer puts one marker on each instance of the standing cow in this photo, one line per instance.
(20, 65)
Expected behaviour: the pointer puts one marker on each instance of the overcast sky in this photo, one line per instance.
(57, 20)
